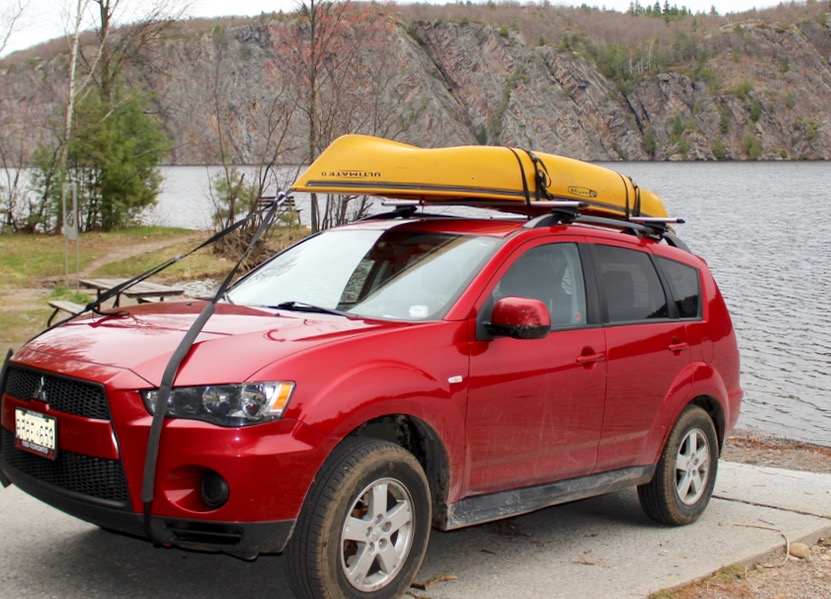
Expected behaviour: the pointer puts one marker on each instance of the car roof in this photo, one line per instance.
(503, 226)
(445, 224)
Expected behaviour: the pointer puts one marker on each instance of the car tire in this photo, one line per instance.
(363, 530)
(686, 474)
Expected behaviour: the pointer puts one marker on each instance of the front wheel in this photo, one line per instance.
(686, 473)
(363, 530)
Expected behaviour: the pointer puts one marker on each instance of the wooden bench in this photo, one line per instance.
(286, 212)
(65, 305)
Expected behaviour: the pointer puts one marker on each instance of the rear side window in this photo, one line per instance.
(685, 286)
(629, 285)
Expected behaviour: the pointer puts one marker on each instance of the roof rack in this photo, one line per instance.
(403, 209)
(642, 226)
(399, 211)
(562, 212)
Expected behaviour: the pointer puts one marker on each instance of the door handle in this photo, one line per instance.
(590, 359)
(677, 348)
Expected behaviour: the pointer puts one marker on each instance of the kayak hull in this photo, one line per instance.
(504, 178)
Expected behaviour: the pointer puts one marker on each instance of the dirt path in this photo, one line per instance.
(26, 298)
(129, 251)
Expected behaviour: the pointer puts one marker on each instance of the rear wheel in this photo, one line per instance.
(686, 473)
(363, 530)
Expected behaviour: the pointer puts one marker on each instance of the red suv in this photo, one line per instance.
(378, 379)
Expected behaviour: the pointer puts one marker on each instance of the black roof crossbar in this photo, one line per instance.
(662, 228)
(562, 212)
(407, 210)
(404, 209)
(655, 227)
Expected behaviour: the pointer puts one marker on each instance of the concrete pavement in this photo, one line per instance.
(598, 547)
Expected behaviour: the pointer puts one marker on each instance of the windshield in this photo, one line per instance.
(397, 274)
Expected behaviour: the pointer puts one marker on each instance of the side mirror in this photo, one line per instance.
(519, 318)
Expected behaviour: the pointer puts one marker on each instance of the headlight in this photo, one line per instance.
(226, 405)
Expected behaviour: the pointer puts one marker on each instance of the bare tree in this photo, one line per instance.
(245, 129)
(131, 43)
(10, 16)
(321, 55)
(10, 160)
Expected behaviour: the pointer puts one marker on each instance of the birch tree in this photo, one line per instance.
(112, 157)
(10, 16)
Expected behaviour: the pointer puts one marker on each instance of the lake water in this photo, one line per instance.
(765, 231)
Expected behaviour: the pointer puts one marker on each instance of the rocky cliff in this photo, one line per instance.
(755, 87)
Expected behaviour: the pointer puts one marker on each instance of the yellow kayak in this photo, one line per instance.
(510, 179)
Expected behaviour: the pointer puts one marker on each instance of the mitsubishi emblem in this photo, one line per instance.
(39, 393)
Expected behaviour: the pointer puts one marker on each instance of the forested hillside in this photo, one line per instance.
(653, 84)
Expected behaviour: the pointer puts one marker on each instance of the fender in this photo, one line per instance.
(698, 379)
(347, 382)
(405, 390)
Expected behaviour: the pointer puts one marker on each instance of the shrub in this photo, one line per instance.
(744, 88)
(755, 111)
(752, 146)
(650, 144)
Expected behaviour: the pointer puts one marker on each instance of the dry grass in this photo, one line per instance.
(33, 268)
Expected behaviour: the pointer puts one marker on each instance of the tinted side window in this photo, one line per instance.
(629, 285)
(685, 286)
(553, 275)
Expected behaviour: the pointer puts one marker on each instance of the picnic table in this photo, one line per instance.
(141, 292)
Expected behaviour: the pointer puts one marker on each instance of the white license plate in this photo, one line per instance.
(36, 432)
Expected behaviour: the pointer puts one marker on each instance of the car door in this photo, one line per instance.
(535, 406)
(647, 347)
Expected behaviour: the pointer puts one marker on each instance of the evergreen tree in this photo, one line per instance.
(112, 158)
(110, 147)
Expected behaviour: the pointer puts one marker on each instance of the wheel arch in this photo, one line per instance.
(714, 409)
(710, 394)
(698, 384)
(419, 438)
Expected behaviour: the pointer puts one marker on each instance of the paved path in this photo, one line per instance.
(602, 547)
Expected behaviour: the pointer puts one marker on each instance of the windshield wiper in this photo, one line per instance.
(226, 297)
(296, 306)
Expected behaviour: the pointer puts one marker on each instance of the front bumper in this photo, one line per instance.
(96, 476)
(241, 539)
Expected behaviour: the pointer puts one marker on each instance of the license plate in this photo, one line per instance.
(36, 432)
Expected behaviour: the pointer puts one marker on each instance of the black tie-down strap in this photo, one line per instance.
(172, 368)
(3, 480)
(542, 180)
(95, 306)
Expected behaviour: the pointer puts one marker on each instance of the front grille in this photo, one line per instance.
(96, 477)
(63, 394)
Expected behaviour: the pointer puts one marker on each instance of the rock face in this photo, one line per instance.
(761, 91)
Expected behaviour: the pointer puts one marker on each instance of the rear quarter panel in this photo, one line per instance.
(714, 371)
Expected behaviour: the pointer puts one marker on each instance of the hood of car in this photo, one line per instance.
(235, 343)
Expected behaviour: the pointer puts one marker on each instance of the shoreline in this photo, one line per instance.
(765, 449)
(798, 569)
